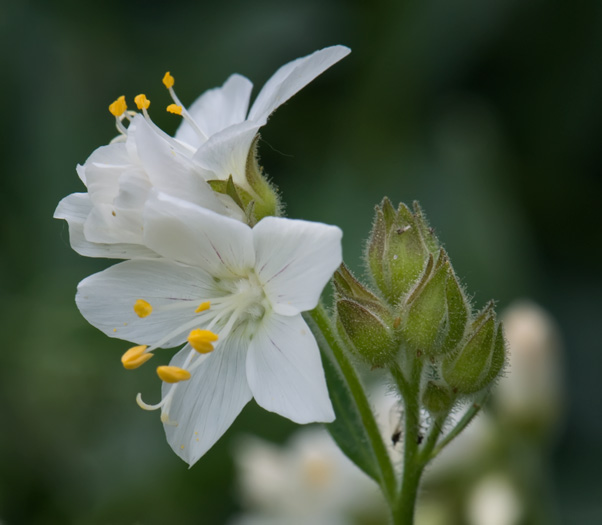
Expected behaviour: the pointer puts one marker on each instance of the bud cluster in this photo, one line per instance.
(418, 308)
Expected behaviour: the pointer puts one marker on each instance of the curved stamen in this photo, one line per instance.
(168, 82)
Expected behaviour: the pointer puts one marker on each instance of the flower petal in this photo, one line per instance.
(291, 78)
(217, 109)
(190, 234)
(102, 170)
(295, 260)
(205, 406)
(226, 152)
(75, 209)
(106, 299)
(172, 172)
(285, 372)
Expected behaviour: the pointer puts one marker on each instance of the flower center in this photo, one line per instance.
(239, 304)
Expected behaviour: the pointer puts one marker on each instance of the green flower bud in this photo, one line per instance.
(368, 326)
(480, 360)
(347, 286)
(424, 322)
(397, 253)
(437, 399)
(458, 311)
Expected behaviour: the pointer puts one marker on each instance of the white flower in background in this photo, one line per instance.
(307, 480)
(494, 501)
(532, 392)
(212, 143)
(234, 295)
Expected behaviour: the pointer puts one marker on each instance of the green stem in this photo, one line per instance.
(412, 463)
(324, 325)
(462, 424)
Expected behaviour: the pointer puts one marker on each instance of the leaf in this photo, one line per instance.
(347, 429)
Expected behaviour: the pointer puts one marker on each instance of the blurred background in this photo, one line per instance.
(489, 113)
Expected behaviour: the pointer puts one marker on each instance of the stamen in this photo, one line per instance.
(201, 340)
(146, 406)
(168, 80)
(175, 109)
(172, 374)
(178, 107)
(118, 107)
(142, 308)
(141, 101)
(202, 307)
(135, 357)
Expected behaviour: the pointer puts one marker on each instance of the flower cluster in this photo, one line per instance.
(210, 266)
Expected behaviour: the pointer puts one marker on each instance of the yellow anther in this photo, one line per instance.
(118, 107)
(175, 109)
(202, 307)
(135, 357)
(201, 340)
(172, 374)
(142, 308)
(141, 101)
(168, 80)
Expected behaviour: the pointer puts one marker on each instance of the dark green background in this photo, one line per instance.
(488, 112)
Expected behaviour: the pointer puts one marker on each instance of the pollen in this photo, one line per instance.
(201, 340)
(175, 109)
(135, 357)
(142, 308)
(172, 374)
(168, 80)
(118, 107)
(141, 101)
(202, 307)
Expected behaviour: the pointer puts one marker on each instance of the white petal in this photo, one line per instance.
(170, 171)
(103, 169)
(106, 299)
(217, 109)
(226, 152)
(285, 372)
(193, 235)
(291, 78)
(205, 406)
(295, 260)
(75, 209)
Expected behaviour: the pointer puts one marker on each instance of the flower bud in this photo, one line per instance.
(437, 399)
(477, 364)
(423, 324)
(368, 326)
(346, 285)
(458, 311)
(397, 251)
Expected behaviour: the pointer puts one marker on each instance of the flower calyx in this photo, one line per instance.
(258, 198)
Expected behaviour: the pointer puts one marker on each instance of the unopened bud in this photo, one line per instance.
(437, 399)
(397, 253)
(424, 323)
(347, 286)
(480, 361)
(367, 326)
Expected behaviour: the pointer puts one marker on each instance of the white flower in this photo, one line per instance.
(212, 143)
(307, 480)
(219, 280)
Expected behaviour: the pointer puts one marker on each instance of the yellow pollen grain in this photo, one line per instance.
(175, 109)
(172, 374)
(201, 340)
(142, 308)
(168, 80)
(118, 107)
(141, 101)
(135, 357)
(202, 307)
(114, 329)
(182, 447)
